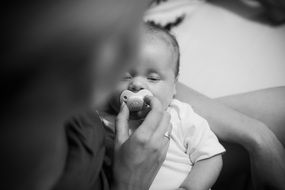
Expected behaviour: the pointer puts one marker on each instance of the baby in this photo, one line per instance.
(193, 160)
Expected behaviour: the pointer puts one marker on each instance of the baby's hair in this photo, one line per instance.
(169, 38)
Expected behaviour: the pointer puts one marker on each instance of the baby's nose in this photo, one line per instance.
(136, 85)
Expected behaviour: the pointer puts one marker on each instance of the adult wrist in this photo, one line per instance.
(122, 182)
(257, 134)
(260, 138)
(118, 186)
(124, 186)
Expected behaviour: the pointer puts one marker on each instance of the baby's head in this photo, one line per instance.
(153, 35)
(157, 68)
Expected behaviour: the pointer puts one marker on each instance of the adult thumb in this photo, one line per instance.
(121, 126)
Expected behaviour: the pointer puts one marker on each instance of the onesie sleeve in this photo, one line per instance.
(200, 142)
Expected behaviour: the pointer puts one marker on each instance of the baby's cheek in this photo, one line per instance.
(123, 85)
(120, 88)
(166, 102)
(164, 98)
(115, 101)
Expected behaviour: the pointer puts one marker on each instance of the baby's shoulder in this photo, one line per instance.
(185, 119)
(181, 109)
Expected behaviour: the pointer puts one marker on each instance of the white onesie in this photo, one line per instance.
(191, 140)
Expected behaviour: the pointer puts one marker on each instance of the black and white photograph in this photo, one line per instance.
(143, 95)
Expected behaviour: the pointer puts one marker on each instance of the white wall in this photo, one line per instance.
(224, 53)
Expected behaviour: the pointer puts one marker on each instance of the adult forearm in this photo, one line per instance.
(265, 150)
(228, 124)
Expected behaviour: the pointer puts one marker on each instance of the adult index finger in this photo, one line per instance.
(121, 127)
(154, 116)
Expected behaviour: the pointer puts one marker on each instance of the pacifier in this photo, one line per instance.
(135, 100)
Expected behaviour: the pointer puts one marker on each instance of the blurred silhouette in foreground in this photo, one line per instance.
(56, 57)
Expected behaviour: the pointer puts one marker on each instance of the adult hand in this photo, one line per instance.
(267, 161)
(138, 156)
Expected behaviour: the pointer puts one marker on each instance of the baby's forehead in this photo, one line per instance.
(158, 38)
(162, 43)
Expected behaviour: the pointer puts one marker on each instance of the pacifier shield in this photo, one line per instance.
(134, 100)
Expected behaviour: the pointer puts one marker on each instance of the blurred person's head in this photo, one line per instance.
(58, 57)
(157, 68)
(73, 46)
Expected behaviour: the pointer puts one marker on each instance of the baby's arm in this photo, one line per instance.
(203, 174)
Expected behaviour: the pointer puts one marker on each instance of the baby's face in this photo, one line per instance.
(154, 71)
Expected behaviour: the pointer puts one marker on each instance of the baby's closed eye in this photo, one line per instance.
(127, 76)
(154, 77)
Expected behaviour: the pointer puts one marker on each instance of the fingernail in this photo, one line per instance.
(122, 106)
(146, 97)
